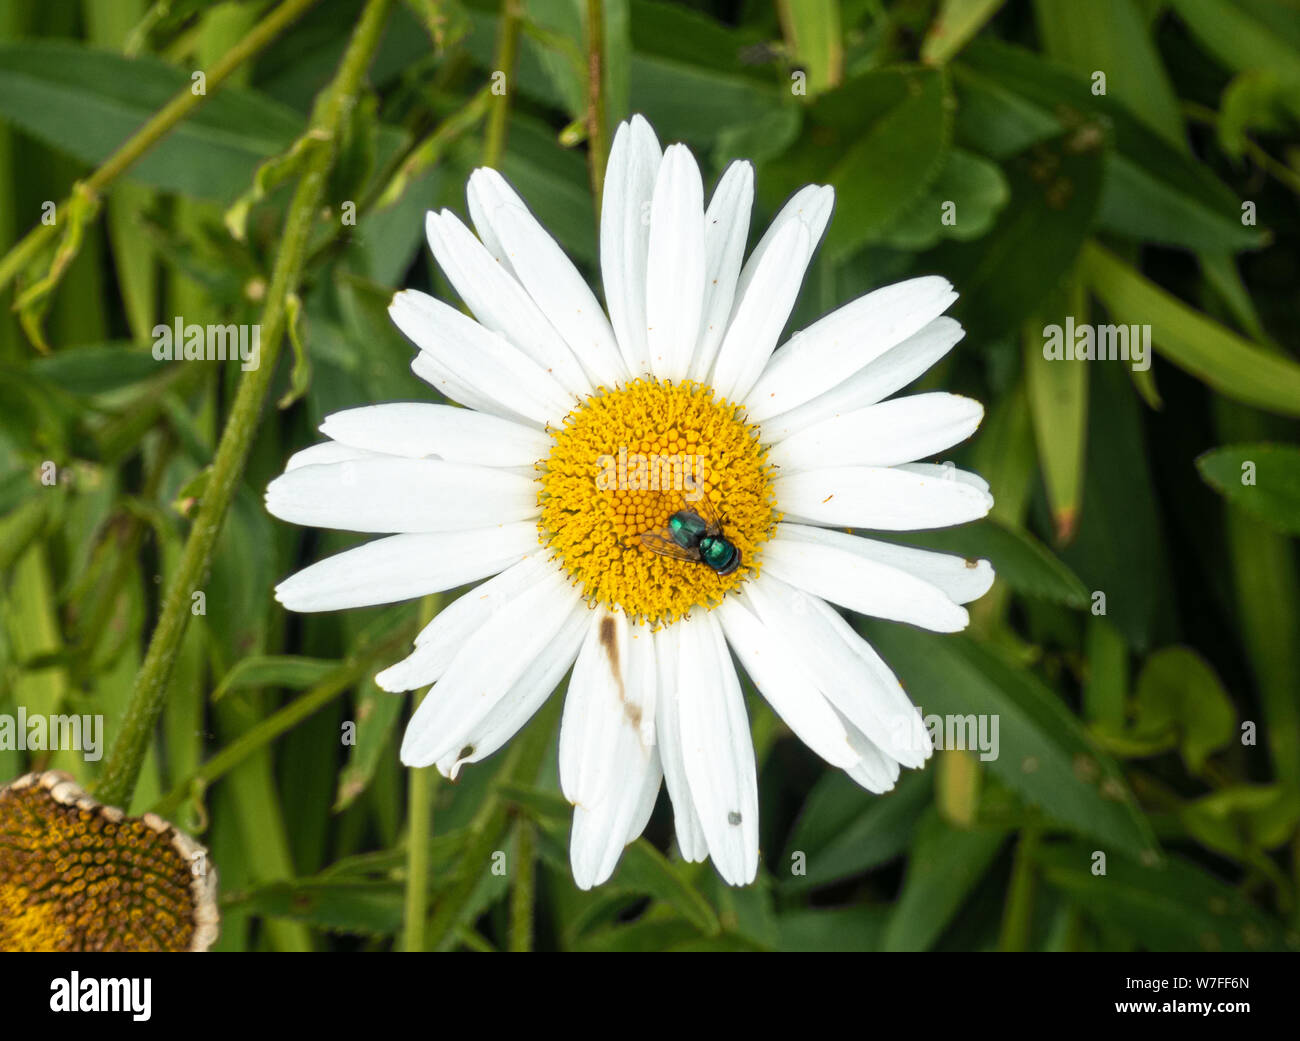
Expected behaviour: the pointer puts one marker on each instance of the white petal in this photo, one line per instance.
(402, 567)
(558, 289)
(390, 494)
(602, 832)
(946, 472)
(457, 435)
(761, 312)
(885, 498)
(898, 431)
(874, 770)
(832, 349)
(646, 804)
(717, 750)
(480, 358)
(625, 236)
(726, 227)
(608, 725)
(485, 191)
(845, 669)
(325, 452)
(812, 205)
(674, 292)
(668, 735)
(491, 662)
(441, 379)
(780, 677)
(960, 579)
(529, 693)
(607, 753)
(440, 641)
(499, 302)
(891, 372)
(873, 693)
(862, 584)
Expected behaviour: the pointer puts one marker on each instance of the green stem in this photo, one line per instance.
(597, 135)
(523, 894)
(494, 139)
(420, 786)
(421, 782)
(163, 122)
(117, 783)
(1017, 916)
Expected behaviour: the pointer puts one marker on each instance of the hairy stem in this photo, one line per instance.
(597, 137)
(117, 783)
(494, 139)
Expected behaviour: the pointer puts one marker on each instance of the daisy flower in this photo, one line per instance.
(648, 491)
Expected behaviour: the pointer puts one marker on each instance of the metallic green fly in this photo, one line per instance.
(694, 533)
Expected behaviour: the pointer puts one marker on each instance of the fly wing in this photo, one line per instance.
(662, 542)
(703, 507)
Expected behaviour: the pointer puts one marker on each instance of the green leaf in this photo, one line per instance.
(1240, 41)
(377, 714)
(364, 907)
(646, 870)
(1119, 550)
(812, 34)
(97, 368)
(1152, 191)
(274, 670)
(970, 188)
(1109, 35)
(1058, 404)
(1265, 608)
(87, 103)
(1178, 691)
(236, 589)
(1003, 454)
(954, 25)
(946, 864)
(1171, 906)
(642, 935)
(1105, 689)
(618, 60)
(903, 112)
(1007, 275)
(1215, 355)
(838, 929)
(845, 830)
(1043, 755)
(1256, 100)
(1242, 819)
(689, 75)
(1262, 479)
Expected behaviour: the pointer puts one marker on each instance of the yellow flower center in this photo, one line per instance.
(78, 876)
(624, 462)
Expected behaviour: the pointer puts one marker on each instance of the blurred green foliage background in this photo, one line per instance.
(1158, 724)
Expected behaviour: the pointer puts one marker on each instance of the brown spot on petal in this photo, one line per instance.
(609, 641)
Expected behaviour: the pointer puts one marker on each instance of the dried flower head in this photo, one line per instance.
(79, 876)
